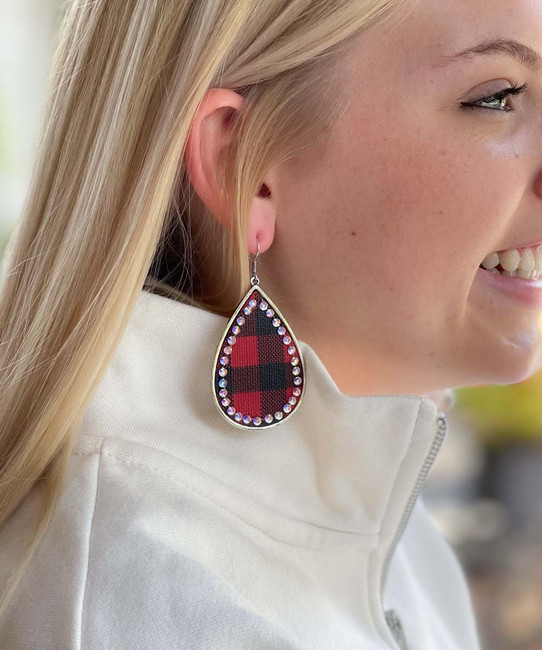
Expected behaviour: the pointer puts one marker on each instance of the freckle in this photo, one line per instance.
(354, 233)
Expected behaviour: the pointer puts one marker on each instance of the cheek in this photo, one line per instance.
(425, 205)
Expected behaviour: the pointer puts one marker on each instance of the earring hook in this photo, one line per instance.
(255, 279)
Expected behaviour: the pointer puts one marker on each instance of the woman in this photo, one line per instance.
(370, 169)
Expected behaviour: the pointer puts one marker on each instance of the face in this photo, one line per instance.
(380, 232)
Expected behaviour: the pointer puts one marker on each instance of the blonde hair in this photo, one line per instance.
(110, 210)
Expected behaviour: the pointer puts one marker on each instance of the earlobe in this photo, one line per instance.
(261, 228)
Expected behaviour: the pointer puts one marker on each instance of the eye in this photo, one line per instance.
(498, 99)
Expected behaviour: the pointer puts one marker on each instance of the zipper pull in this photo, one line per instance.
(394, 623)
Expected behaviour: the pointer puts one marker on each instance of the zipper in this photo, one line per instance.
(394, 623)
(390, 615)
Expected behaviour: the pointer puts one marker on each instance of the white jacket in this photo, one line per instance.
(178, 530)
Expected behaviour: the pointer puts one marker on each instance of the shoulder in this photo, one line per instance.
(138, 555)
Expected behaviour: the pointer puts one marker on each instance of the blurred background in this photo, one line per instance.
(485, 488)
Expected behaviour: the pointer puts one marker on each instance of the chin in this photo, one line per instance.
(514, 371)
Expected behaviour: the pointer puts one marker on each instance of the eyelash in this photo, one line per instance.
(513, 90)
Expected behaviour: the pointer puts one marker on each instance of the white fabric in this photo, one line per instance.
(179, 530)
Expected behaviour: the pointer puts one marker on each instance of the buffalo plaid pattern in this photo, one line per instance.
(259, 379)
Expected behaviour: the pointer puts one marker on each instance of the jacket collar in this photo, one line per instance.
(343, 464)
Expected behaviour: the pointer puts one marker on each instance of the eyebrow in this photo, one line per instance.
(518, 51)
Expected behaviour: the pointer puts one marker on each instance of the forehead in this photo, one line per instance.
(432, 29)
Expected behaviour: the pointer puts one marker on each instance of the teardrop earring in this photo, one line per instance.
(258, 370)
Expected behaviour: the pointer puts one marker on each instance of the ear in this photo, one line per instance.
(209, 133)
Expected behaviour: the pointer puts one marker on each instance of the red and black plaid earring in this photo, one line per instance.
(258, 371)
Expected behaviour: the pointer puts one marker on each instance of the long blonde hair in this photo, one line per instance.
(110, 210)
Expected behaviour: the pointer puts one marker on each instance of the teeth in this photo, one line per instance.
(491, 261)
(510, 259)
(525, 263)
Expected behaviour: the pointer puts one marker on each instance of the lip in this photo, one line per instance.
(531, 244)
(526, 292)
